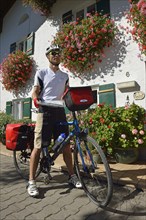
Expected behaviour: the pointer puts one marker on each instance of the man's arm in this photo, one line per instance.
(35, 92)
(35, 95)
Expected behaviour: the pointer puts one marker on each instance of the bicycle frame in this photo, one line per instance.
(77, 133)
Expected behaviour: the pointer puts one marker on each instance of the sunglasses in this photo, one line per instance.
(54, 53)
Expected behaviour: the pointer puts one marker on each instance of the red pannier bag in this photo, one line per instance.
(78, 98)
(19, 136)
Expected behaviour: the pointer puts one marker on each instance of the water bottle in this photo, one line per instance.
(58, 141)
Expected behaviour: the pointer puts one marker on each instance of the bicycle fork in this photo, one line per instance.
(85, 168)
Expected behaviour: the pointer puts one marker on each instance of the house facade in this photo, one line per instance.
(118, 80)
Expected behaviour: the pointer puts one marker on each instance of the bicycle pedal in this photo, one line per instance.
(46, 180)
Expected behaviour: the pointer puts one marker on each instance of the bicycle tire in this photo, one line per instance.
(97, 184)
(21, 162)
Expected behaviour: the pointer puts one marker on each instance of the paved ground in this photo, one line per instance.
(58, 201)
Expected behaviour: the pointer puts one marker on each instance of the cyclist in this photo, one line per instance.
(49, 85)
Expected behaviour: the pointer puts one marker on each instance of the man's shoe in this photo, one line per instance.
(32, 189)
(75, 181)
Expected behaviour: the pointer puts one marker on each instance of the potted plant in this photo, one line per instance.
(137, 19)
(83, 42)
(41, 6)
(130, 134)
(15, 71)
(117, 129)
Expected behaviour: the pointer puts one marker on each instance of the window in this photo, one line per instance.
(13, 47)
(80, 15)
(26, 45)
(67, 17)
(91, 9)
(19, 108)
(101, 6)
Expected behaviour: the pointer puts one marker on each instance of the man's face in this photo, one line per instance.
(54, 57)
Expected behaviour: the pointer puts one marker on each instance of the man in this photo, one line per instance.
(49, 85)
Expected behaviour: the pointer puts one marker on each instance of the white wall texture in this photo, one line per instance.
(121, 63)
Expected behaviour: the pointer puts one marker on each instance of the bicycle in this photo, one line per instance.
(96, 178)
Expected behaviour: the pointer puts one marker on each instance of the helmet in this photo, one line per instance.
(51, 48)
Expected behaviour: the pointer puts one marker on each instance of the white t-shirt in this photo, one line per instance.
(52, 84)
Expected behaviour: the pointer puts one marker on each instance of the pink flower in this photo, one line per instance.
(141, 132)
(134, 131)
(140, 141)
(140, 3)
(143, 9)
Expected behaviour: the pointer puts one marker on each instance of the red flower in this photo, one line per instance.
(16, 70)
(102, 120)
(90, 121)
(87, 40)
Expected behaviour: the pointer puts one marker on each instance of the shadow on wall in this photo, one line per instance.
(114, 57)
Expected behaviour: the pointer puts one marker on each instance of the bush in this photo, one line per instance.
(9, 119)
(122, 127)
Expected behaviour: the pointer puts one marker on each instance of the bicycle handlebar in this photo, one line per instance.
(52, 103)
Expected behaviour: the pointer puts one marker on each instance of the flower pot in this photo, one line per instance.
(96, 158)
(142, 153)
(126, 156)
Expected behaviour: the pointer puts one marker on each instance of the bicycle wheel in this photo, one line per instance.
(95, 176)
(21, 162)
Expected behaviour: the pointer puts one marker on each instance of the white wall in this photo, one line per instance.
(13, 32)
(120, 59)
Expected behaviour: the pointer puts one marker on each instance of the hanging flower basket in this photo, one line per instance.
(15, 71)
(137, 19)
(83, 43)
(43, 6)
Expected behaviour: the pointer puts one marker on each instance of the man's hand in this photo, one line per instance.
(35, 101)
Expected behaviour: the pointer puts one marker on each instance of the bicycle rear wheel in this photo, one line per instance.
(95, 176)
(21, 162)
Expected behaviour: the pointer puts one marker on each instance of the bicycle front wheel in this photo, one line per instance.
(94, 173)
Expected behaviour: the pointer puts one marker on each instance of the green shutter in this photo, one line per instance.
(103, 6)
(30, 44)
(9, 108)
(107, 94)
(27, 104)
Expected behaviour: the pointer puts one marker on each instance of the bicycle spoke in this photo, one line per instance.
(94, 175)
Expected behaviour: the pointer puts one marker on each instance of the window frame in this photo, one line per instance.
(30, 38)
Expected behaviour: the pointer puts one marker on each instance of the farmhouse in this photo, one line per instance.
(118, 80)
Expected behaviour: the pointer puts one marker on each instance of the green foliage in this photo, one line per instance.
(8, 119)
(4, 119)
(43, 6)
(122, 127)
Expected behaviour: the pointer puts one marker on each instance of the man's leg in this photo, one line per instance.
(34, 159)
(67, 156)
